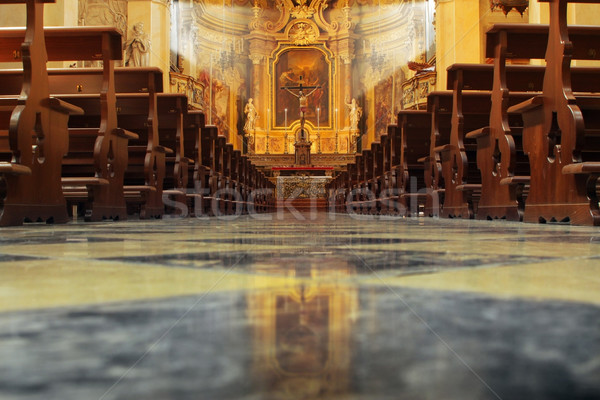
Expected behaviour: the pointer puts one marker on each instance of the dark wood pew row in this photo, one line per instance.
(137, 116)
(193, 126)
(381, 165)
(503, 164)
(136, 140)
(365, 166)
(31, 163)
(439, 106)
(470, 111)
(385, 181)
(337, 192)
(220, 179)
(372, 158)
(354, 184)
(93, 169)
(561, 128)
(172, 110)
(228, 183)
(414, 127)
(499, 136)
(368, 200)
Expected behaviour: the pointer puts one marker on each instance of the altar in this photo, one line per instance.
(302, 182)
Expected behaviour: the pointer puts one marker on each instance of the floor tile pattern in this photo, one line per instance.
(281, 308)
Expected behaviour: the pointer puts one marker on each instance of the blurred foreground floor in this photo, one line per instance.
(329, 307)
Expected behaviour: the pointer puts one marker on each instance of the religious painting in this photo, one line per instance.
(307, 67)
(383, 111)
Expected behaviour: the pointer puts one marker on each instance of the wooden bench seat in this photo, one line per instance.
(439, 106)
(33, 190)
(413, 143)
(556, 128)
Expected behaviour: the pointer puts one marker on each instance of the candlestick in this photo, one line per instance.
(318, 130)
(336, 130)
(268, 122)
(285, 148)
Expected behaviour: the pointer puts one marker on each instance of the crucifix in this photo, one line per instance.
(303, 99)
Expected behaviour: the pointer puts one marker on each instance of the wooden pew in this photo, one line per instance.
(413, 137)
(470, 111)
(137, 97)
(33, 190)
(374, 178)
(172, 111)
(93, 170)
(560, 133)
(384, 181)
(355, 180)
(439, 106)
(206, 175)
(367, 198)
(381, 173)
(498, 140)
(98, 153)
(194, 125)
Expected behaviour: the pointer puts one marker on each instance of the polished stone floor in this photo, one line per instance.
(329, 307)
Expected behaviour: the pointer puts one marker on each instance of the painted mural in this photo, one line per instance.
(308, 67)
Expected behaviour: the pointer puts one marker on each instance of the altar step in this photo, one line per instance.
(304, 204)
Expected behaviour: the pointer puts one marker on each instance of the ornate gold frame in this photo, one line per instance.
(282, 48)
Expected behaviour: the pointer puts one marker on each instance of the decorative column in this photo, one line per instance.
(234, 81)
(370, 79)
(260, 46)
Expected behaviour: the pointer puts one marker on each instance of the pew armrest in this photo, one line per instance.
(125, 134)
(515, 180)
(481, 132)
(163, 149)
(132, 189)
(445, 147)
(422, 159)
(527, 105)
(84, 181)
(582, 168)
(14, 169)
(64, 107)
(469, 187)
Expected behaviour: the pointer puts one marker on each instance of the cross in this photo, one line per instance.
(300, 87)
(302, 98)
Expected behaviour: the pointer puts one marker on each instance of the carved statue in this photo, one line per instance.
(355, 112)
(251, 117)
(137, 48)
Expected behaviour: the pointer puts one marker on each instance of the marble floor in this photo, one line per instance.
(325, 307)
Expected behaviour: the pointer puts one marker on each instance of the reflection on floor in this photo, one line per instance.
(331, 308)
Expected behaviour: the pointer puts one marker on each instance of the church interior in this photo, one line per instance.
(299, 199)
